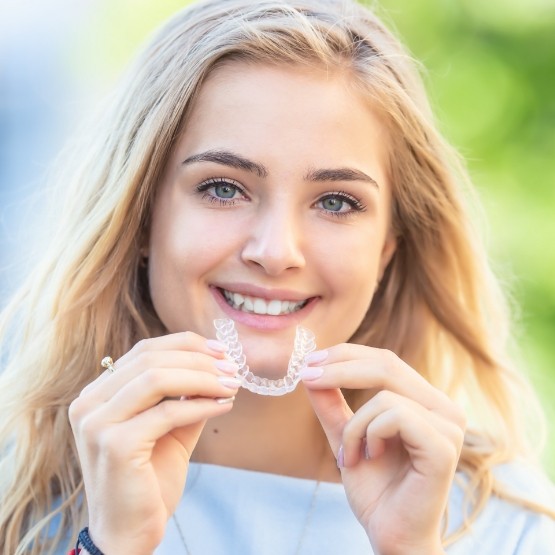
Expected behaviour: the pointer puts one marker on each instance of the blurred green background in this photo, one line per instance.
(490, 71)
(491, 76)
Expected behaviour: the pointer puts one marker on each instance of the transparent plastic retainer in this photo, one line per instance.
(305, 342)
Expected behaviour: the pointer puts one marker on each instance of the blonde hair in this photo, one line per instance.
(438, 306)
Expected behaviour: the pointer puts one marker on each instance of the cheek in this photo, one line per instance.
(354, 282)
(185, 244)
(350, 262)
(350, 267)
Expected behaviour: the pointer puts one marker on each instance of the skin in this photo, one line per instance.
(274, 235)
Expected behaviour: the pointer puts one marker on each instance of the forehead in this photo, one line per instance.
(271, 111)
(236, 83)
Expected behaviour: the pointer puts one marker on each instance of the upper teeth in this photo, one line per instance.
(275, 307)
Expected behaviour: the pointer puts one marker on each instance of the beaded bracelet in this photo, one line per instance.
(84, 540)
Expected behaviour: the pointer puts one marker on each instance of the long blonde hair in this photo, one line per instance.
(438, 306)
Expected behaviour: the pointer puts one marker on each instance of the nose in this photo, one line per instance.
(275, 241)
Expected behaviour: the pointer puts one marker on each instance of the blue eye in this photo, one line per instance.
(221, 190)
(333, 204)
(340, 204)
(225, 190)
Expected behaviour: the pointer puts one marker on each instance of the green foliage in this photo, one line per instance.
(491, 75)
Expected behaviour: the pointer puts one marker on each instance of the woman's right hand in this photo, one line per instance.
(135, 431)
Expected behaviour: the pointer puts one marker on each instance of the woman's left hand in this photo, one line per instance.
(398, 453)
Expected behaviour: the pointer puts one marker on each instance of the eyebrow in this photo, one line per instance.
(228, 158)
(340, 174)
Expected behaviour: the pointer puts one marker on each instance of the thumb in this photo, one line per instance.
(332, 411)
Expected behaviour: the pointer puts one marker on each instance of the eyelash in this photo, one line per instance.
(204, 187)
(214, 182)
(355, 203)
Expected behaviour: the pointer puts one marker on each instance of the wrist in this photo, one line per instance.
(438, 550)
(86, 545)
(399, 548)
(111, 546)
(412, 551)
(89, 544)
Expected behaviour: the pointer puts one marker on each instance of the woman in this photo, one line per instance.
(276, 164)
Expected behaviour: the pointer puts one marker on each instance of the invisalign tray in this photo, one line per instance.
(304, 344)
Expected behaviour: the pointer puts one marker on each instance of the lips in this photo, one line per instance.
(258, 305)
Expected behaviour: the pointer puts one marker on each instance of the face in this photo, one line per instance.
(273, 210)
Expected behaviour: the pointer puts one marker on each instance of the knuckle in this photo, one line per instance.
(460, 418)
(145, 358)
(74, 411)
(390, 358)
(188, 337)
(88, 427)
(168, 411)
(453, 454)
(386, 366)
(141, 346)
(109, 440)
(458, 435)
(445, 463)
(402, 412)
(78, 409)
(384, 398)
(152, 379)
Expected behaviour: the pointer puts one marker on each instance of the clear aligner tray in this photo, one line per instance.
(304, 344)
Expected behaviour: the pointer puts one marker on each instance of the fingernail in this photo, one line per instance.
(316, 357)
(311, 372)
(227, 366)
(340, 457)
(232, 383)
(225, 400)
(216, 345)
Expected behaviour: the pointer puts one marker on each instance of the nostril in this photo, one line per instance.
(273, 256)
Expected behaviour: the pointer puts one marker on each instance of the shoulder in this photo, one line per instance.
(526, 481)
(503, 526)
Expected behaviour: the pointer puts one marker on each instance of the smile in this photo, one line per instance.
(257, 305)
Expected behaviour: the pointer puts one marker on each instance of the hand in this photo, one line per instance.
(399, 451)
(135, 431)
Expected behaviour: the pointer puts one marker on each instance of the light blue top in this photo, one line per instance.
(227, 511)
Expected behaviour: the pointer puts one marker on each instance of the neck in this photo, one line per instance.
(278, 435)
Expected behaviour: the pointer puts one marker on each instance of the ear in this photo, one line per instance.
(144, 253)
(388, 250)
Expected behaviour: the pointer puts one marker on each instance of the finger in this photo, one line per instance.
(149, 426)
(135, 438)
(430, 452)
(333, 412)
(356, 436)
(155, 385)
(183, 341)
(360, 367)
(106, 386)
